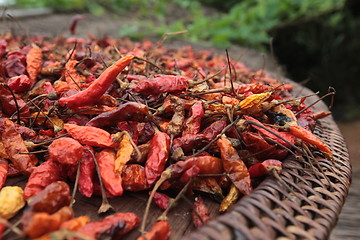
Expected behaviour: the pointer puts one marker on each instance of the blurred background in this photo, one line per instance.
(315, 42)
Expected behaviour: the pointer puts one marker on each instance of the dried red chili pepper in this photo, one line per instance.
(20, 83)
(200, 213)
(91, 94)
(190, 142)
(92, 136)
(34, 63)
(262, 149)
(15, 63)
(72, 77)
(144, 150)
(290, 138)
(162, 84)
(123, 153)
(264, 168)
(162, 200)
(128, 111)
(193, 123)
(134, 178)
(15, 145)
(43, 175)
(234, 166)
(208, 185)
(75, 223)
(112, 181)
(8, 104)
(2, 229)
(66, 151)
(4, 166)
(87, 171)
(230, 199)
(160, 231)
(309, 137)
(53, 197)
(214, 129)
(37, 224)
(113, 227)
(189, 174)
(157, 156)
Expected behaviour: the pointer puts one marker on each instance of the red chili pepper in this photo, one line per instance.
(74, 21)
(125, 112)
(157, 156)
(134, 178)
(8, 104)
(106, 161)
(162, 84)
(201, 213)
(234, 166)
(92, 136)
(161, 200)
(87, 171)
(52, 198)
(160, 231)
(111, 227)
(210, 186)
(264, 168)
(66, 151)
(20, 83)
(43, 175)
(309, 137)
(214, 129)
(4, 166)
(189, 142)
(262, 149)
(2, 228)
(14, 145)
(290, 138)
(190, 173)
(91, 94)
(193, 123)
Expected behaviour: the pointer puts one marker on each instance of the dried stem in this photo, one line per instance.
(72, 202)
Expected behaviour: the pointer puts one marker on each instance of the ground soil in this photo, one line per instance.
(57, 24)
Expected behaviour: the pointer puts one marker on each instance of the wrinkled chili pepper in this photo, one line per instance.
(43, 175)
(91, 94)
(75, 223)
(177, 120)
(210, 186)
(162, 84)
(72, 77)
(53, 197)
(4, 166)
(15, 145)
(37, 224)
(290, 138)
(200, 214)
(87, 171)
(234, 166)
(157, 156)
(160, 231)
(112, 181)
(66, 150)
(74, 21)
(214, 129)
(113, 227)
(92, 136)
(20, 83)
(123, 153)
(128, 111)
(262, 149)
(144, 150)
(266, 167)
(309, 137)
(134, 178)
(34, 63)
(11, 201)
(162, 200)
(190, 142)
(230, 199)
(9, 105)
(193, 123)
(189, 174)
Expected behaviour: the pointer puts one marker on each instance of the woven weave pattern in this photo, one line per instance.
(304, 204)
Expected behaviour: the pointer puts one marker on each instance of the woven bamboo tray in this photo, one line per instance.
(309, 211)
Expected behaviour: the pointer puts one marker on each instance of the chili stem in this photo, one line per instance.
(75, 185)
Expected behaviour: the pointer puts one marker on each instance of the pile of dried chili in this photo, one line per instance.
(115, 117)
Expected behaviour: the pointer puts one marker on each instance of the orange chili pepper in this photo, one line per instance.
(98, 87)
